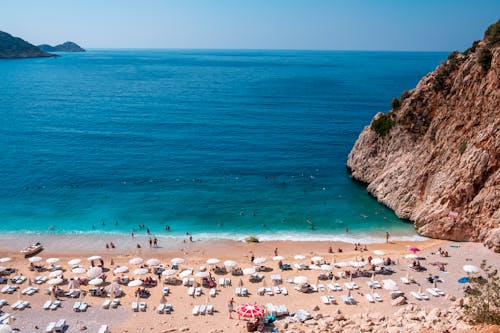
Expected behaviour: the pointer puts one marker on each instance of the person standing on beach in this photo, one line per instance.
(155, 242)
(387, 237)
(230, 307)
(276, 251)
(150, 242)
(346, 230)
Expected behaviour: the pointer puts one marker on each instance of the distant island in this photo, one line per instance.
(64, 47)
(14, 47)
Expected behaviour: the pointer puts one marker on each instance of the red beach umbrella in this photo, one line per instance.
(250, 310)
(414, 249)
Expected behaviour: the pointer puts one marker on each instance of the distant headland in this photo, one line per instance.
(14, 47)
(64, 47)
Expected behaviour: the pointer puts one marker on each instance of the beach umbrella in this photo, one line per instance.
(379, 252)
(250, 311)
(55, 273)
(52, 260)
(377, 261)
(136, 261)
(314, 266)
(120, 269)
(78, 270)
(230, 263)
(185, 273)
(135, 283)
(35, 259)
(73, 284)
(94, 272)
(278, 258)
(73, 262)
(358, 263)
(5, 259)
(316, 258)
(92, 258)
(55, 281)
(411, 256)
(153, 262)
(112, 288)
(249, 271)
(471, 269)
(4, 328)
(341, 264)
(169, 272)
(177, 261)
(202, 275)
(141, 271)
(326, 267)
(213, 261)
(463, 280)
(96, 282)
(300, 280)
(259, 261)
(414, 249)
(2, 268)
(299, 257)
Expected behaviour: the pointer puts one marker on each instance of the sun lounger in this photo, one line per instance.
(377, 297)
(106, 304)
(203, 309)
(191, 282)
(103, 329)
(222, 282)
(269, 292)
(50, 327)
(314, 288)
(439, 291)
(160, 308)
(210, 309)
(416, 295)
(282, 311)
(60, 325)
(284, 291)
(369, 298)
(3, 302)
(325, 300)
(321, 287)
(213, 292)
(277, 290)
(197, 291)
(83, 306)
(337, 287)
(190, 291)
(332, 299)
(405, 280)
(76, 306)
(185, 281)
(196, 310)
(244, 292)
(237, 291)
(348, 285)
(227, 282)
(348, 299)
(15, 304)
(166, 291)
(55, 305)
(143, 306)
(331, 287)
(423, 296)
(5, 289)
(47, 305)
(23, 305)
(261, 291)
(135, 306)
(168, 308)
(115, 303)
(432, 292)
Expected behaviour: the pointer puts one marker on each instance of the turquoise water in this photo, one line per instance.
(216, 143)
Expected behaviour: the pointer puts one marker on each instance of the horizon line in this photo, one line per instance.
(260, 49)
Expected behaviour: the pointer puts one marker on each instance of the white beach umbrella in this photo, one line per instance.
(314, 267)
(379, 252)
(112, 288)
(326, 267)
(78, 270)
(471, 269)
(52, 260)
(92, 258)
(213, 261)
(136, 261)
(94, 272)
(278, 258)
(120, 269)
(135, 283)
(377, 261)
(141, 271)
(169, 272)
(2, 268)
(230, 263)
(316, 258)
(35, 259)
(249, 271)
(259, 261)
(300, 280)
(202, 275)
(358, 263)
(75, 261)
(55, 281)
(185, 273)
(153, 262)
(55, 273)
(96, 282)
(177, 261)
(299, 257)
(342, 264)
(5, 259)
(411, 256)
(4, 328)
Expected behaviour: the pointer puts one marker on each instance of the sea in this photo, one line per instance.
(220, 144)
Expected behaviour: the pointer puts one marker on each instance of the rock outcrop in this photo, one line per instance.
(13, 47)
(64, 47)
(434, 159)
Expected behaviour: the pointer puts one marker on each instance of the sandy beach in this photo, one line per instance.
(123, 319)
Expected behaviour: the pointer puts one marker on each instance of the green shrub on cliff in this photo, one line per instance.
(492, 34)
(483, 297)
(383, 124)
(473, 48)
(484, 58)
(395, 104)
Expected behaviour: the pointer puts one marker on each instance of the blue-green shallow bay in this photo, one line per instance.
(216, 143)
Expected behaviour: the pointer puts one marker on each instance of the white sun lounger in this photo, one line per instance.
(227, 281)
(106, 304)
(50, 327)
(416, 295)
(424, 296)
(196, 310)
(337, 287)
(439, 291)
(197, 291)
(190, 291)
(160, 308)
(15, 304)
(210, 309)
(348, 285)
(213, 292)
(237, 291)
(405, 280)
(325, 300)
(83, 306)
(76, 306)
(143, 306)
(377, 297)
(103, 329)
(277, 290)
(135, 306)
(166, 291)
(244, 292)
(2, 302)
(60, 325)
(47, 304)
(168, 308)
(203, 309)
(348, 299)
(432, 292)
(314, 288)
(222, 282)
(55, 305)
(284, 291)
(191, 282)
(369, 298)
(321, 287)
(261, 291)
(115, 303)
(332, 299)
(185, 281)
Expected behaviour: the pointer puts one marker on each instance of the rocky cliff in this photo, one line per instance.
(14, 47)
(434, 158)
(64, 47)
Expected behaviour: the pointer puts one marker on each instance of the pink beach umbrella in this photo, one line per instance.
(250, 310)
(414, 249)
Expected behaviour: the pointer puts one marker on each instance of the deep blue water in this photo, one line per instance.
(228, 143)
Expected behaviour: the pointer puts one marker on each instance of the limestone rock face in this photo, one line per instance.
(438, 165)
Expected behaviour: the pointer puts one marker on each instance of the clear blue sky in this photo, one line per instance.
(428, 25)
